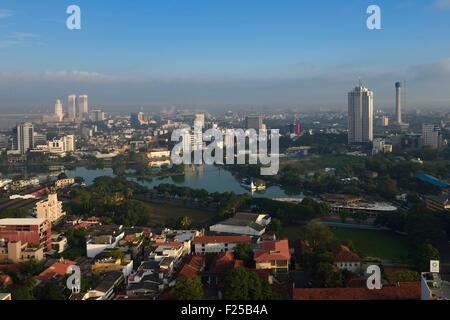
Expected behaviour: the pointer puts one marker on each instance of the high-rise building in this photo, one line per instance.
(50, 209)
(254, 122)
(59, 111)
(72, 107)
(199, 120)
(83, 107)
(25, 137)
(298, 128)
(398, 103)
(431, 136)
(97, 116)
(360, 115)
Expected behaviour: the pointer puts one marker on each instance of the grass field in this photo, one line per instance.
(371, 243)
(161, 213)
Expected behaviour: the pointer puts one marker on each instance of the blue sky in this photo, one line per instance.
(213, 53)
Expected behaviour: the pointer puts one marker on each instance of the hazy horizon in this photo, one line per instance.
(209, 55)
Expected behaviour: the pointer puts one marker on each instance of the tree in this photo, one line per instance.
(188, 289)
(359, 217)
(326, 275)
(405, 275)
(241, 284)
(14, 213)
(244, 252)
(425, 254)
(51, 290)
(318, 235)
(62, 176)
(185, 222)
(344, 215)
(276, 226)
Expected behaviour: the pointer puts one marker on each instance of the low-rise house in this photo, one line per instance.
(57, 269)
(274, 256)
(193, 266)
(218, 244)
(244, 224)
(106, 289)
(16, 252)
(150, 286)
(59, 243)
(102, 238)
(345, 259)
(108, 261)
(169, 249)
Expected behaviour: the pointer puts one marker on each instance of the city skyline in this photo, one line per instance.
(210, 55)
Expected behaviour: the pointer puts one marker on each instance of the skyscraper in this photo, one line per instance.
(83, 107)
(360, 115)
(59, 112)
(72, 107)
(25, 137)
(398, 103)
(298, 128)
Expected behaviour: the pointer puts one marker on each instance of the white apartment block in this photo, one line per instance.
(50, 209)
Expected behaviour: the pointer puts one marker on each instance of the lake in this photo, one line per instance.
(210, 178)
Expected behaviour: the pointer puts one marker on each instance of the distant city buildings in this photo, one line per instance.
(254, 122)
(59, 111)
(138, 119)
(360, 115)
(431, 136)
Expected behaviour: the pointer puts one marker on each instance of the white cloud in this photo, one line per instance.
(6, 13)
(16, 38)
(66, 76)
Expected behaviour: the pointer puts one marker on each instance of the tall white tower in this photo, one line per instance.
(72, 107)
(360, 115)
(398, 103)
(59, 111)
(83, 107)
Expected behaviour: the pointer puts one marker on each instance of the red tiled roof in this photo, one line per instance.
(192, 267)
(273, 250)
(221, 239)
(57, 269)
(172, 244)
(5, 280)
(223, 262)
(344, 254)
(405, 291)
